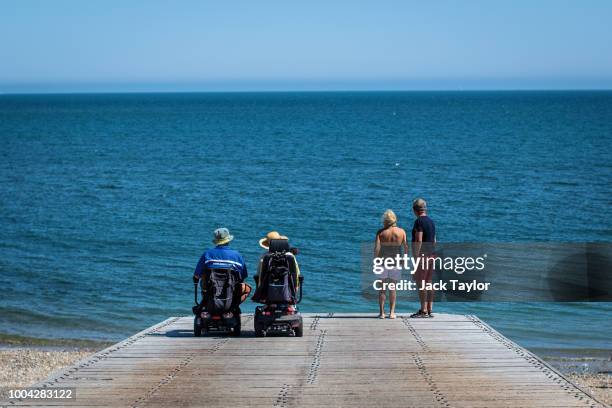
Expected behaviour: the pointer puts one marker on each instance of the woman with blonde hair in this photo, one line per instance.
(390, 240)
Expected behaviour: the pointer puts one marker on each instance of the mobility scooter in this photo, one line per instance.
(218, 311)
(279, 290)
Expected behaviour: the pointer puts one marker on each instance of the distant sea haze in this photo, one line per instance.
(107, 201)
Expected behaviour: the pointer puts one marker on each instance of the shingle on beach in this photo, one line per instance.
(22, 367)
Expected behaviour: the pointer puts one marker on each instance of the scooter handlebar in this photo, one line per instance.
(195, 291)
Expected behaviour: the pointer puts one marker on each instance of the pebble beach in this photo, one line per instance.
(25, 361)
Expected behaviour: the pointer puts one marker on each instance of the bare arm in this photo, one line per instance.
(416, 245)
(405, 243)
(377, 246)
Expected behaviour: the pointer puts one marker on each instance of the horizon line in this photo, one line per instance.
(116, 92)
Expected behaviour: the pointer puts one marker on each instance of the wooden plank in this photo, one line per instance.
(342, 360)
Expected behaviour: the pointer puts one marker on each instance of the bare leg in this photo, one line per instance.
(392, 297)
(245, 290)
(430, 299)
(381, 303)
(423, 299)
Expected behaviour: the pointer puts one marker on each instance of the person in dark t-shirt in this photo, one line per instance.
(423, 240)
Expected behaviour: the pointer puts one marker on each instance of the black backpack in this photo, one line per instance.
(220, 290)
(279, 279)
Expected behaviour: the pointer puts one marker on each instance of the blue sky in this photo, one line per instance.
(64, 46)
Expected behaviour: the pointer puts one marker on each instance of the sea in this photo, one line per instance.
(107, 201)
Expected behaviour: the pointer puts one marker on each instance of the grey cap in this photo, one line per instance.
(222, 236)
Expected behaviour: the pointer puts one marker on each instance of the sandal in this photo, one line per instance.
(420, 314)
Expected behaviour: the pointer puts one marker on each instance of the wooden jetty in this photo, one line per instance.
(352, 360)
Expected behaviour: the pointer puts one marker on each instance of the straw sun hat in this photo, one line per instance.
(265, 242)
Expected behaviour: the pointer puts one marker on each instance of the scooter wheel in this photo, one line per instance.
(236, 330)
(197, 328)
(299, 331)
(259, 332)
(259, 329)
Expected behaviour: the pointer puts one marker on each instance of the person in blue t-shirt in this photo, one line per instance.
(222, 256)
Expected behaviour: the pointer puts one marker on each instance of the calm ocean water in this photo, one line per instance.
(107, 201)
